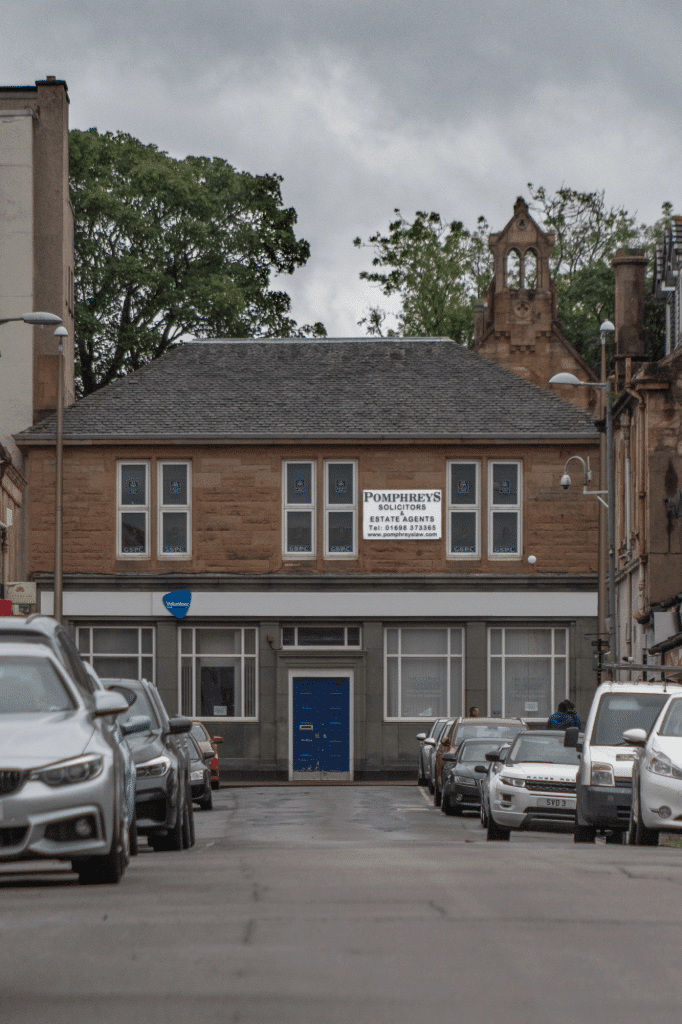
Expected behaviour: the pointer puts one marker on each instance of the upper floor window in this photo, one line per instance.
(132, 516)
(299, 509)
(464, 510)
(174, 500)
(504, 510)
(340, 510)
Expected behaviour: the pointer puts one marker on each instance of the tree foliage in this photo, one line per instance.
(437, 270)
(587, 236)
(166, 248)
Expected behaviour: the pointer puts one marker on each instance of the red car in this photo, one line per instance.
(206, 745)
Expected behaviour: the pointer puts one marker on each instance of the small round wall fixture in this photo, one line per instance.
(532, 559)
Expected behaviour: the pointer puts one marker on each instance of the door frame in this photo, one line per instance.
(321, 673)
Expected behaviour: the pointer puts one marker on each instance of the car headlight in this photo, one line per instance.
(196, 776)
(156, 767)
(66, 773)
(509, 781)
(660, 764)
(465, 780)
(601, 775)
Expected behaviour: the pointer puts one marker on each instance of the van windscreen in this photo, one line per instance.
(620, 711)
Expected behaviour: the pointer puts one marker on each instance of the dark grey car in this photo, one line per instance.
(461, 781)
(163, 795)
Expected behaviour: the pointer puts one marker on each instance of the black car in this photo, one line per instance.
(163, 796)
(461, 782)
(199, 774)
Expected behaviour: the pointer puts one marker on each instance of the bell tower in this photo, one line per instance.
(517, 325)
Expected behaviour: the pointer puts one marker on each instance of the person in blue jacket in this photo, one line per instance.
(564, 717)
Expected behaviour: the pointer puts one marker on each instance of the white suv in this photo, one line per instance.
(604, 782)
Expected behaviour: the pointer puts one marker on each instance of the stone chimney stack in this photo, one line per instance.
(629, 266)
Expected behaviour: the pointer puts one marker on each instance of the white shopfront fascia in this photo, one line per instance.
(356, 604)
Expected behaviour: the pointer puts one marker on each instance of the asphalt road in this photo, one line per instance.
(348, 905)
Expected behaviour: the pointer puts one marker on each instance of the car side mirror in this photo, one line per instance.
(635, 737)
(571, 736)
(482, 769)
(421, 736)
(138, 723)
(450, 756)
(493, 755)
(429, 743)
(108, 703)
(217, 739)
(209, 757)
(179, 724)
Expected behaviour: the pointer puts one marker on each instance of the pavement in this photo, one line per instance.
(322, 905)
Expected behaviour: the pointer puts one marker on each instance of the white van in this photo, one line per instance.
(604, 781)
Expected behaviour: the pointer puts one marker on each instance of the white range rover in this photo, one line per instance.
(535, 787)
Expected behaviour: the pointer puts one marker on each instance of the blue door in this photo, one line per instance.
(321, 724)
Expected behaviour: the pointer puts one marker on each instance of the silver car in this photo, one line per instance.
(425, 749)
(62, 781)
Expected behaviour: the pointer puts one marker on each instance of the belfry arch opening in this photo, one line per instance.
(513, 269)
(521, 269)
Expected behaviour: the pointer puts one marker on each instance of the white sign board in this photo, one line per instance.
(20, 593)
(401, 515)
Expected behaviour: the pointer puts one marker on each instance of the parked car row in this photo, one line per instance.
(621, 778)
(88, 764)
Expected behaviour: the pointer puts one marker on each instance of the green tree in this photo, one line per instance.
(587, 235)
(166, 248)
(436, 269)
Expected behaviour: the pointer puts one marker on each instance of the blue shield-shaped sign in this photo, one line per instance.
(178, 602)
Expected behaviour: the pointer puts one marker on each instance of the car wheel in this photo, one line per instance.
(483, 815)
(429, 786)
(616, 838)
(215, 784)
(108, 869)
(496, 833)
(207, 803)
(132, 835)
(188, 837)
(584, 834)
(174, 838)
(644, 836)
(437, 796)
(449, 807)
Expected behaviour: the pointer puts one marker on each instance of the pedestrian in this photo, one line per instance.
(474, 712)
(564, 717)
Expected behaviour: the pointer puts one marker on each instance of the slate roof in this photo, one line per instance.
(332, 388)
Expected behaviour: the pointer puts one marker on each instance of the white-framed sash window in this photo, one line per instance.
(174, 497)
(505, 540)
(218, 672)
(118, 652)
(340, 509)
(527, 671)
(132, 509)
(464, 509)
(423, 672)
(298, 509)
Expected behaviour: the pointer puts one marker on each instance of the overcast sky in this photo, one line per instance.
(367, 105)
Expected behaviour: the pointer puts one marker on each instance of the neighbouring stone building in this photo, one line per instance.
(648, 460)
(36, 273)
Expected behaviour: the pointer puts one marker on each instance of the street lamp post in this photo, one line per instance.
(60, 334)
(605, 386)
